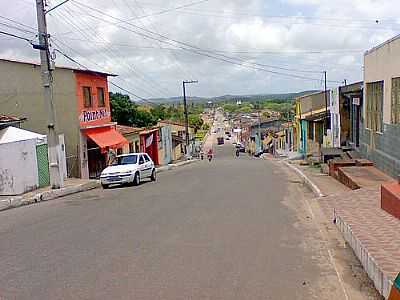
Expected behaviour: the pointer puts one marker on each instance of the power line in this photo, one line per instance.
(21, 24)
(107, 57)
(16, 36)
(168, 10)
(112, 83)
(111, 55)
(17, 28)
(159, 44)
(188, 47)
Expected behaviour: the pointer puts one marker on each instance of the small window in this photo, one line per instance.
(119, 151)
(100, 97)
(146, 157)
(141, 160)
(131, 149)
(87, 96)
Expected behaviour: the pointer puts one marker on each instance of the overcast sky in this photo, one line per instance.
(229, 46)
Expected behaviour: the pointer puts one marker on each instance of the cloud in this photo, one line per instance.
(282, 36)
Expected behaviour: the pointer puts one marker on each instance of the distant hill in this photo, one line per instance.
(282, 96)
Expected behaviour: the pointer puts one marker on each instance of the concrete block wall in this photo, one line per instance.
(386, 154)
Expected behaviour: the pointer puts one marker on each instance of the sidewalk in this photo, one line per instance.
(373, 234)
(71, 186)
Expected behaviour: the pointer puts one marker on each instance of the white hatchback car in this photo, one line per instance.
(128, 168)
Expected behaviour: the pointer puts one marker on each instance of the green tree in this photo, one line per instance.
(195, 121)
(122, 109)
(125, 112)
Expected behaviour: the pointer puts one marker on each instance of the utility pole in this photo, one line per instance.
(186, 115)
(259, 130)
(345, 82)
(326, 105)
(56, 179)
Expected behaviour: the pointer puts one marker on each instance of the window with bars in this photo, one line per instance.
(395, 109)
(374, 106)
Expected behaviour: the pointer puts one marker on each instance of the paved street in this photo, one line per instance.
(229, 229)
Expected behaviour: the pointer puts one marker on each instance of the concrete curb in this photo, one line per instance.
(381, 281)
(178, 164)
(17, 201)
(314, 188)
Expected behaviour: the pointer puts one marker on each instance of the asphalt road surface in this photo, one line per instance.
(229, 229)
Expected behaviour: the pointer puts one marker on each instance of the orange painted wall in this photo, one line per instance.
(94, 115)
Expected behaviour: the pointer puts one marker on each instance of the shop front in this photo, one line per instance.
(99, 138)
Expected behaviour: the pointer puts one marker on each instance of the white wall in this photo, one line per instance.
(18, 167)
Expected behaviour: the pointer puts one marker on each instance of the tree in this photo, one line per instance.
(122, 109)
(125, 112)
(195, 121)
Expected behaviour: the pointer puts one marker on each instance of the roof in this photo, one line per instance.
(60, 67)
(311, 94)
(382, 44)
(13, 134)
(150, 130)
(316, 117)
(10, 119)
(352, 87)
(173, 123)
(125, 130)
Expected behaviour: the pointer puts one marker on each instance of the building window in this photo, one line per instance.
(100, 97)
(396, 100)
(374, 103)
(131, 148)
(87, 96)
(119, 151)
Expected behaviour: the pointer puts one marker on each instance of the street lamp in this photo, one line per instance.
(186, 115)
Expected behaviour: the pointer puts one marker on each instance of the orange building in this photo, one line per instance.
(97, 133)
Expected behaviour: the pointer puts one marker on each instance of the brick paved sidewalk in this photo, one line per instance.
(373, 234)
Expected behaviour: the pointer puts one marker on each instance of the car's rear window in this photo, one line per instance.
(126, 160)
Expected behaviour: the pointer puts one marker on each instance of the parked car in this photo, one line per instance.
(128, 169)
(220, 140)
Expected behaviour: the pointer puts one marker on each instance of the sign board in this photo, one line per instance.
(356, 101)
(237, 130)
(93, 115)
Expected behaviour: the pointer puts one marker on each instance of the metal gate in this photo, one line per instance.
(43, 165)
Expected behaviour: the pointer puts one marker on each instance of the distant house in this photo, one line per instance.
(132, 135)
(312, 117)
(380, 135)
(177, 130)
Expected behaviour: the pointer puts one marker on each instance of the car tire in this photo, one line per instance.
(105, 186)
(153, 176)
(136, 179)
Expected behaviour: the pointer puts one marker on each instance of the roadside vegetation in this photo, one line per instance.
(283, 106)
(126, 112)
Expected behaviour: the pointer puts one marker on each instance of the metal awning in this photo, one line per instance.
(106, 137)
